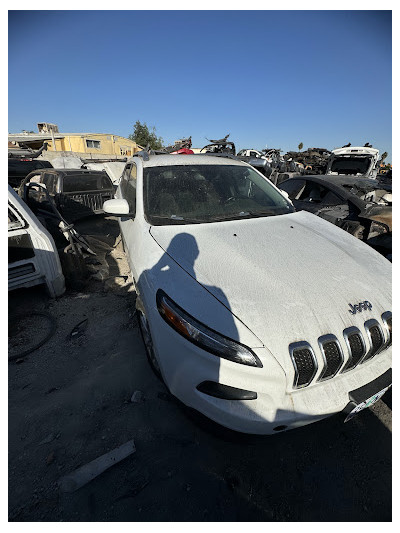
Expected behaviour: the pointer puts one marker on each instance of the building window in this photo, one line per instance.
(92, 144)
(124, 150)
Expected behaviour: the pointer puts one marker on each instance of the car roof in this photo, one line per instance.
(341, 180)
(68, 171)
(163, 160)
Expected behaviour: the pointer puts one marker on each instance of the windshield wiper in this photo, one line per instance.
(249, 214)
(174, 219)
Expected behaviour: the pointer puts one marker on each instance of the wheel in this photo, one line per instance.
(148, 344)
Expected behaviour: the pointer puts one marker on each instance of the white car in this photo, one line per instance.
(261, 318)
(32, 255)
(359, 161)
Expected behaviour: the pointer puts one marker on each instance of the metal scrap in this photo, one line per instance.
(86, 473)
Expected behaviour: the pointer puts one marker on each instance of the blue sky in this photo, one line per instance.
(272, 78)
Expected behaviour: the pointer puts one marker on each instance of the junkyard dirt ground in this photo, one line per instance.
(69, 403)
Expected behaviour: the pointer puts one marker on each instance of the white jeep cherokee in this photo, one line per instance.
(262, 318)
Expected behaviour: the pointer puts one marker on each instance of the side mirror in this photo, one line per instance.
(118, 207)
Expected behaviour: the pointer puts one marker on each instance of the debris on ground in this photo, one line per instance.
(50, 458)
(78, 330)
(137, 397)
(85, 474)
(48, 439)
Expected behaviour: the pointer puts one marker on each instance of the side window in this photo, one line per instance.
(128, 186)
(312, 192)
(124, 179)
(330, 198)
(317, 193)
(293, 187)
(50, 181)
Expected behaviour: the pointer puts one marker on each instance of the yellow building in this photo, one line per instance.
(90, 145)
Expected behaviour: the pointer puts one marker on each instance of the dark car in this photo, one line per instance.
(361, 206)
(18, 169)
(77, 193)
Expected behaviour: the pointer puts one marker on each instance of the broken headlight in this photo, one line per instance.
(377, 228)
(203, 336)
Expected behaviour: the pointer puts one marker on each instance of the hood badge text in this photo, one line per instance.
(362, 306)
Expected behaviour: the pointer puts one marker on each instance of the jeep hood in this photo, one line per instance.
(287, 278)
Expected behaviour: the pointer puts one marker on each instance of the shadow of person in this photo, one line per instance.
(183, 366)
(174, 275)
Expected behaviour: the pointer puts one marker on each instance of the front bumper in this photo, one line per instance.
(185, 366)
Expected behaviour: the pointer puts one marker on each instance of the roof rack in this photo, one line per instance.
(220, 154)
(144, 154)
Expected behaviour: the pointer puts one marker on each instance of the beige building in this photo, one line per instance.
(87, 145)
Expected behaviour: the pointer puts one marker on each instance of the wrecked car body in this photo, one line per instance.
(313, 160)
(18, 169)
(181, 146)
(360, 206)
(32, 255)
(250, 153)
(361, 161)
(270, 163)
(77, 193)
(219, 146)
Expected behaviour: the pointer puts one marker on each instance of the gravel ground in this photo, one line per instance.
(70, 402)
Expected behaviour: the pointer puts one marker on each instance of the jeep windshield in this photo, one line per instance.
(352, 165)
(190, 194)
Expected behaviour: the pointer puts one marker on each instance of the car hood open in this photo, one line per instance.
(285, 277)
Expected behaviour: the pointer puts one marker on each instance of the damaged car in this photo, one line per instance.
(236, 310)
(360, 161)
(18, 169)
(32, 254)
(219, 146)
(360, 206)
(77, 193)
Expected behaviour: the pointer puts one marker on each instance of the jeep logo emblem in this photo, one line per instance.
(360, 307)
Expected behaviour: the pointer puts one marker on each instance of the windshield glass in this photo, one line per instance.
(206, 193)
(85, 182)
(351, 165)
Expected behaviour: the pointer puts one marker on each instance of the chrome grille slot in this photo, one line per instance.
(304, 362)
(359, 350)
(356, 346)
(387, 322)
(376, 338)
(332, 355)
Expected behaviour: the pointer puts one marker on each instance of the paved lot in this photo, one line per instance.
(69, 402)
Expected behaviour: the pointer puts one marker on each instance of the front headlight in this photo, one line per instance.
(208, 339)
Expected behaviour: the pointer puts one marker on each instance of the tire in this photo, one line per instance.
(148, 344)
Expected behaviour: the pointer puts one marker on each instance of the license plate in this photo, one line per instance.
(367, 403)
